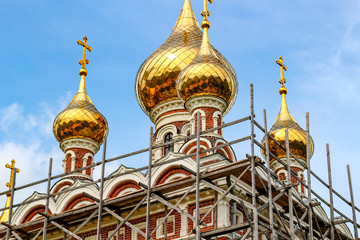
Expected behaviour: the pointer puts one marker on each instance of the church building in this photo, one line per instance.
(196, 186)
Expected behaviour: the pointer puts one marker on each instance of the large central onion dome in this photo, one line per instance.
(80, 119)
(156, 78)
(207, 75)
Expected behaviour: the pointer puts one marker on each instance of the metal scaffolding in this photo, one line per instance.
(283, 215)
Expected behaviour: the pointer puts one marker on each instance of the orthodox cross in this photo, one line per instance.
(13, 169)
(84, 61)
(282, 80)
(206, 13)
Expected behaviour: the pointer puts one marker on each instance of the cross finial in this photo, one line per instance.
(13, 169)
(282, 79)
(206, 12)
(84, 61)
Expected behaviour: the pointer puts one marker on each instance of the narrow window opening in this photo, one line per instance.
(170, 147)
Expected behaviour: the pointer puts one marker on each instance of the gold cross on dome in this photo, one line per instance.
(12, 167)
(282, 79)
(206, 13)
(84, 61)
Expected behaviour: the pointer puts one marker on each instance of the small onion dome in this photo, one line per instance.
(80, 119)
(297, 136)
(155, 80)
(207, 75)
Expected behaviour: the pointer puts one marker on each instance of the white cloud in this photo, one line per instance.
(27, 137)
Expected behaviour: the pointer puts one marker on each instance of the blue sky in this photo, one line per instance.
(319, 40)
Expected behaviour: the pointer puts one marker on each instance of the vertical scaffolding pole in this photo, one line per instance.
(147, 235)
(311, 232)
(198, 177)
(271, 212)
(165, 222)
(352, 203)
(8, 232)
(253, 185)
(101, 193)
(332, 230)
(291, 214)
(46, 220)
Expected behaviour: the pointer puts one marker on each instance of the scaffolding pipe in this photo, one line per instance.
(101, 192)
(255, 235)
(352, 203)
(332, 230)
(289, 182)
(46, 220)
(147, 235)
(312, 173)
(305, 185)
(310, 220)
(270, 199)
(198, 176)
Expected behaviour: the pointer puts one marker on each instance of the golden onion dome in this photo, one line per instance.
(80, 119)
(297, 135)
(207, 75)
(156, 78)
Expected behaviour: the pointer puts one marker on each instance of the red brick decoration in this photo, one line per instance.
(282, 176)
(79, 155)
(75, 200)
(32, 213)
(227, 150)
(123, 185)
(168, 172)
(203, 146)
(209, 113)
(209, 219)
(88, 163)
(61, 185)
(178, 126)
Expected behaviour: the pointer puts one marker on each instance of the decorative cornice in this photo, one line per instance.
(205, 101)
(174, 117)
(83, 143)
(78, 176)
(275, 165)
(166, 106)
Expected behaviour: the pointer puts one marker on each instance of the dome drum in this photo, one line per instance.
(82, 143)
(206, 101)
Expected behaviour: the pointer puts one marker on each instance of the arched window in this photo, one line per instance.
(170, 147)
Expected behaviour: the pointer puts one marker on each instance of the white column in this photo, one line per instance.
(84, 165)
(64, 164)
(184, 221)
(73, 163)
(223, 214)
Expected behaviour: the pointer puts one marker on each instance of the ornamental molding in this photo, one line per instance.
(275, 165)
(205, 101)
(82, 176)
(166, 106)
(171, 118)
(83, 143)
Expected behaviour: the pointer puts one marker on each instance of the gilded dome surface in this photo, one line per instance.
(156, 78)
(297, 136)
(80, 119)
(207, 75)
